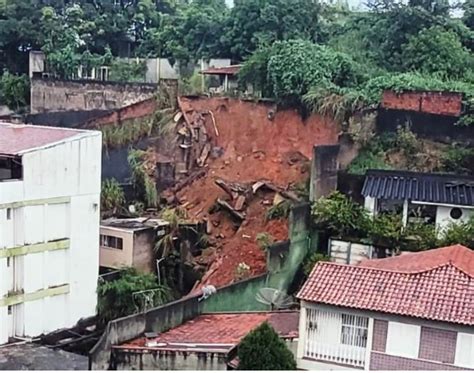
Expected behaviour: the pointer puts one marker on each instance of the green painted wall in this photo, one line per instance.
(283, 262)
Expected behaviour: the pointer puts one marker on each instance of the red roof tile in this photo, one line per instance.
(223, 329)
(436, 284)
(17, 138)
(227, 70)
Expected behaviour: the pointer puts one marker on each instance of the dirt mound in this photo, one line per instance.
(249, 142)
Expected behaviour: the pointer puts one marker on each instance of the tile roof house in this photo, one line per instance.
(435, 198)
(227, 77)
(411, 312)
(206, 342)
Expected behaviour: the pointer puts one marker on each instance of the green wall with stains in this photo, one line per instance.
(283, 262)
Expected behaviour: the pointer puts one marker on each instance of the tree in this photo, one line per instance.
(14, 90)
(262, 349)
(439, 52)
(256, 23)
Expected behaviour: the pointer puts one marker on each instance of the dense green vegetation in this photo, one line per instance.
(340, 217)
(119, 297)
(323, 56)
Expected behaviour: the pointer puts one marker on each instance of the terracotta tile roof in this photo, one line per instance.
(437, 285)
(223, 329)
(227, 70)
(18, 138)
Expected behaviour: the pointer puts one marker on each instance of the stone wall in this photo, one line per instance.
(65, 95)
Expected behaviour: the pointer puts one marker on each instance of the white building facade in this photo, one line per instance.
(49, 228)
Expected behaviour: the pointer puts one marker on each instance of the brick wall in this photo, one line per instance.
(436, 352)
(441, 103)
(137, 110)
(51, 95)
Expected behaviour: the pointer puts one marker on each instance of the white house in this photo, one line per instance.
(410, 312)
(440, 199)
(49, 228)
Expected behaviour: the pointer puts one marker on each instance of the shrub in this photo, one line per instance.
(262, 349)
(386, 230)
(310, 261)
(112, 196)
(459, 233)
(341, 216)
(419, 237)
(242, 271)
(127, 71)
(115, 298)
(264, 240)
(278, 211)
(459, 160)
(143, 183)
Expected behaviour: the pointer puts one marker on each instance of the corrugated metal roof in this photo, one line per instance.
(226, 70)
(417, 186)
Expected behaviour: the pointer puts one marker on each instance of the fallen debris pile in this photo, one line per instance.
(233, 162)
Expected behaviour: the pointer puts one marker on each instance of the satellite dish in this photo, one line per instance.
(275, 298)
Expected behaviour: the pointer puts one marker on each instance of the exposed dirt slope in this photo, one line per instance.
(257, 143)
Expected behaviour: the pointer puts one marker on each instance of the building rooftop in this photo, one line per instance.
(418, 186)
(436, 284)
(134, 224)
(36, 357)
(217, 332)
(227, 70)
(16, 139)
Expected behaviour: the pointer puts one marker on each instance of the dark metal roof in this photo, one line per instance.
(417, 186)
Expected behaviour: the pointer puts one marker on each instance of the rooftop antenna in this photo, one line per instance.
(274, 298)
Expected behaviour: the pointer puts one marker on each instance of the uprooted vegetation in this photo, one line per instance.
(405, 150)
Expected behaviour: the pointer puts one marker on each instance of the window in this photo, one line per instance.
(403, 340)
(465, 350)
(10, 310)
(455, 213)
(111, 242)
(9, 214)
(335, 337)
(354, 330)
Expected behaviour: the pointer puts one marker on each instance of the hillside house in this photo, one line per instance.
(49, 228)
(130, 243)
(228, 81)
(430, 198)
(410, 312)
(206, 342)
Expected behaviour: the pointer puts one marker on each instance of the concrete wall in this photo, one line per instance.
(143, 250)
(169, 360)
(56, 202)
(115, 258)
(158, 320)
(62, 95)
(323, 171)
(443, 217)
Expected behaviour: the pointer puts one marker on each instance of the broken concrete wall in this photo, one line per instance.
(441, 128)
(324, 168)
(64, 95)
(155, 320)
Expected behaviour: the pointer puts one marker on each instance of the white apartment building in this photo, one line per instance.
(49, 228)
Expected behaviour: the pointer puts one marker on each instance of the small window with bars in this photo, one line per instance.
(111, 242)
(354, 330)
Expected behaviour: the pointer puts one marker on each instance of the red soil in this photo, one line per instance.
(255, 148)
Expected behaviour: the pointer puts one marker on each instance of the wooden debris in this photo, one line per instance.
(204, 154)
(230, 209)
(214, 123)
(239, 203)
(189, 180)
